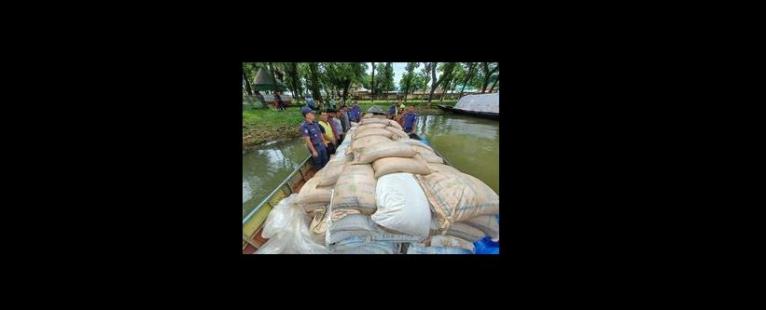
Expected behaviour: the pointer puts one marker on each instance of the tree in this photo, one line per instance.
(425, 75)
(446, 75)
(385, 79)
(292, 76)
(488, 69)
(497, 78)
(247, 84)
(407, 79)
(468, 76)
(314, 81)
(449, 80)
(372, 82)
(340, 76)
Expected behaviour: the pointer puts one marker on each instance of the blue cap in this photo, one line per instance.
(306, 110)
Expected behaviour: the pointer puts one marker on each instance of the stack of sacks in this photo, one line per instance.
(382, 143)
(402, 217)
(372, 131)
(315, 195)
(375, 208)
(464, 211)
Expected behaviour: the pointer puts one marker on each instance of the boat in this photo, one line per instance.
(252, 224)
(484, 106)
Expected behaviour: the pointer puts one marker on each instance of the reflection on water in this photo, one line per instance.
(266, 166)
(469, 143)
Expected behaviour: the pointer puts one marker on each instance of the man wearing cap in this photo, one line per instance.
(312, 134)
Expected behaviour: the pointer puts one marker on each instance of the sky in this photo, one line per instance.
(398, 71)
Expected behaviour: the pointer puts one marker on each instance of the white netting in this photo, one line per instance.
(480, 103)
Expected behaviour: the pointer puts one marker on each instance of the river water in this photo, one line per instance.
(470, 144)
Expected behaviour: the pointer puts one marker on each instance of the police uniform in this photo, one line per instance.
(409, 121)
(314, 133)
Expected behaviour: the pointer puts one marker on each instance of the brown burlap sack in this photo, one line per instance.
(363, 142)
(457, 197)
(355, 189)
(329, 174)
(415, 165)
(310, 197)
(374, 152)
(373, 132)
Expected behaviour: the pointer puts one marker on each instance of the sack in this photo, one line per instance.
(287, 229)
(356, 189)
(397, 133)
(428, 156)
(373, 132)
(418, 144)
(457, 197)
(374, 152)
(310, 196)
(452, 242)
(314, 206)
(488, 224)
(361, 246)
(465, 232)
(372, 120)
(361, 227)
(329, 174)
(371, 125)
(414, 165)
(363, 142)
(435, 167)
(394, 124)
(402, 205)
(354, 124)
(422, 249)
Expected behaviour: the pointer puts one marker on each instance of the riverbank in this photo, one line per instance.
(265, 124)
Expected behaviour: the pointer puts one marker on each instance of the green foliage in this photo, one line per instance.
(406, 83)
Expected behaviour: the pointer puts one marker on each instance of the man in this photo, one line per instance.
(343, 117)
(401, 106)
(329, 133)
(278, 102)
(338, 128)
(391, 111)
(410, 119)
(310, 102)
(312, 134)
(357, 110)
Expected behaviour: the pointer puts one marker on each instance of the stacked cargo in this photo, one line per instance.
(384, 193)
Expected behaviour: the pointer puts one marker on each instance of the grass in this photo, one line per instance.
(261, 125)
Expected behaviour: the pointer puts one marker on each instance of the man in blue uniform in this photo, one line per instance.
(410, 119)
(357, 112)
(312, 134)
(391, 111)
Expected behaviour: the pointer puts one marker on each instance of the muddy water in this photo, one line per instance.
(470, 144)
(264, 167)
